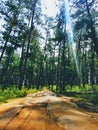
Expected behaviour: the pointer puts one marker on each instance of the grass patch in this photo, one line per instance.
(79, 89)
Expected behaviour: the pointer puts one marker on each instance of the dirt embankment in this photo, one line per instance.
(45, 111)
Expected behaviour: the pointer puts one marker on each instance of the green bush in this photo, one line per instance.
(94, 98)
(11, 93)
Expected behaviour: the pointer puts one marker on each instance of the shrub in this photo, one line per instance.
(11, 93)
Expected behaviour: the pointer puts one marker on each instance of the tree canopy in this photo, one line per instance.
(35, 49)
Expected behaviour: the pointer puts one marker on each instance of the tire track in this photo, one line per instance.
(7, 117)
(45, 111)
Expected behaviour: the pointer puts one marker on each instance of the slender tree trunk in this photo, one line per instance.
(92, 67)
(21, 65)
(5, 75)
(94, 46)
(93, 36)
(5, 44)
(28, 45)
(63, 67)
(58, 70)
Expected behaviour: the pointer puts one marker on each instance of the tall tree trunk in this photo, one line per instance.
(5, 44)
(21, 65)
(92, 67)
(58, 70)
(28, 44)
(5, 74)
(93, 32)
(63, 67)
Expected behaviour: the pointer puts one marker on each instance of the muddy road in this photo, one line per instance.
(45, 111)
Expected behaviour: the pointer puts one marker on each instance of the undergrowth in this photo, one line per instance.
(93, 98)
(11, 93)
(83, 93)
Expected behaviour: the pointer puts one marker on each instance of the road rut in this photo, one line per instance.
(45, 111)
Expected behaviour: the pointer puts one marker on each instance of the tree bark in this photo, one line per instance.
(28, 45)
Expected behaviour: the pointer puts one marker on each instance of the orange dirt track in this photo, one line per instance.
(45, 111)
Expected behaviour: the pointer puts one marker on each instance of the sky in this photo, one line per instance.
(50, 9)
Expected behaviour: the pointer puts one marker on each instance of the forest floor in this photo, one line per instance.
(45, 110)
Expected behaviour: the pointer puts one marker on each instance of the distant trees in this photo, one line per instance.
(19, 19)
(34, 48)
(86, 29)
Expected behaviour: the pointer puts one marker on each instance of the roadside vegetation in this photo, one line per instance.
(12, 93)
(86, 93)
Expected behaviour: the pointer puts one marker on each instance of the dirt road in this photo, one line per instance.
(45, 111)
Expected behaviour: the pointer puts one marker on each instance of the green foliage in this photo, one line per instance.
(94, 98)
(33, 58)
(52, 88)
(90, 97)
(11, 93)
(79, 88)
(86, 94)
